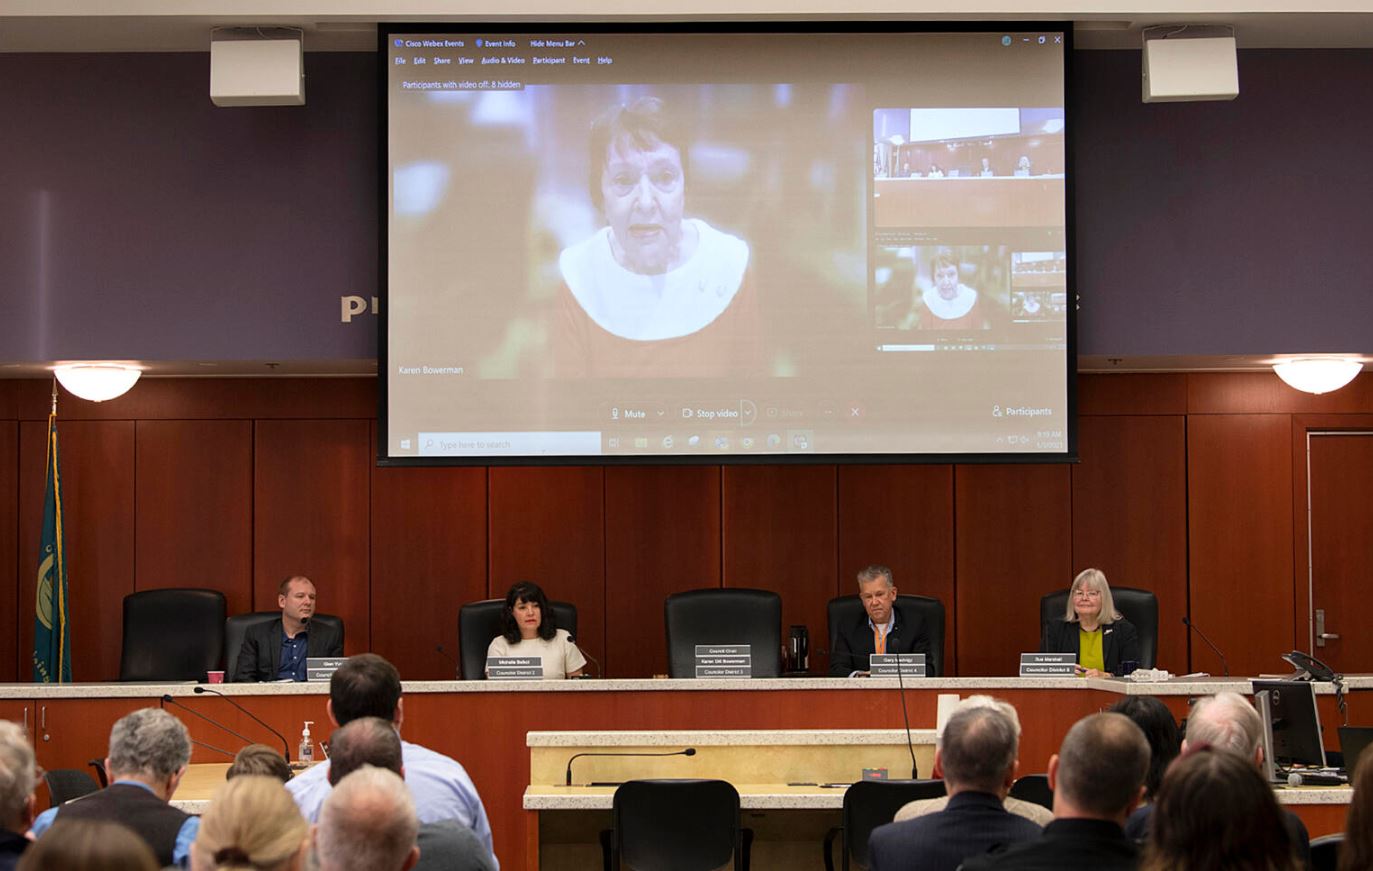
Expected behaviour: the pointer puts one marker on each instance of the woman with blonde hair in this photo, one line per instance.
(1092, 628)
(253, 823)
(88, 845)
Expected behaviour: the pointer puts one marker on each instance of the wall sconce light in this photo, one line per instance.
(1318, 374)
(97, 381)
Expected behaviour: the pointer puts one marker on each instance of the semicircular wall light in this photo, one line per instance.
(1318, 374)
(97, 381)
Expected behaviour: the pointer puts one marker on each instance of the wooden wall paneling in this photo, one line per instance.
(97, 464)
(1124, 393)
(428, 559)
(1130, 514)
(193, 507)
(213, 398)
(9, 551)
(1265, 393)
(902, 517)
(778, 532)
(1240, 561)
(547, 525)
(1013, 540)
(310, 516)
(662, 536)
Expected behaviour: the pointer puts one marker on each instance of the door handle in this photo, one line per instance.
(1321, 635)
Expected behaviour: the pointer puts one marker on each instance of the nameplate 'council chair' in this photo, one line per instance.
(723, 617)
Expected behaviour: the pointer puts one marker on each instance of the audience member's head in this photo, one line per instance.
(254, 824)
(1226, 721)
(364, 686)
(364, 741)
(88, 845)
(150, 746)
(1160, 730)
(1214, 810)
(1099, 770)
(978, 751)
(18, 776)
(1356, 853)
(367, 823)
(259, 759)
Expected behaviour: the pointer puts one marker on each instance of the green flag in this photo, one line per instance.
(52, 644)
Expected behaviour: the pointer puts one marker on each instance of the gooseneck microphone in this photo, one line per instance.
(443, 651)
(901, 684)
(168, 700)
(690, 751)
(1225, 666)
(285, 747)
(572, 639)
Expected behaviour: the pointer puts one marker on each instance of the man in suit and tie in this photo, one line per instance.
(277, 650)
(978, 756)
(881, 628)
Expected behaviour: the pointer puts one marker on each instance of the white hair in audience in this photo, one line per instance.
(367, 823)
(149, 741)
(17, 774)
(983, 701)
(1225, 721)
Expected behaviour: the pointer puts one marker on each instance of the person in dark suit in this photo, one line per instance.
(882, 628)
(1098, 778)
(1092, 629)
(278, 650)
(978, 756)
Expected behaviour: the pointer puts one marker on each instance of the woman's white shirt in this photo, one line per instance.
(560, 656)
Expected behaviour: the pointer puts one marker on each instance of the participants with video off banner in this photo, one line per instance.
(529, 628)
(881, 629)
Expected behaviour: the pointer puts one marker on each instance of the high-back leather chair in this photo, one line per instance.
(172, 634)
(1138, 606)
(724, 616)
(480, 622)
(677, 825)
(869, 804)
(846, 609)
(237, 626)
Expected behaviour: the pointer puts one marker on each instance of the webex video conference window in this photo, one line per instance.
(627, 244)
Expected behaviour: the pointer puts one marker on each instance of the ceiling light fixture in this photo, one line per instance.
(97, 381)
(1318, 374)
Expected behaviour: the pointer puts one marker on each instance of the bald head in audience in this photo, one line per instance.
(367, 823)
(1226, 721)
(1098, 772)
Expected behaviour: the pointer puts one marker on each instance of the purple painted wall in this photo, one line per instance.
(138, 220)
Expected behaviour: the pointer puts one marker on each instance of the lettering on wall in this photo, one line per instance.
(355, 305)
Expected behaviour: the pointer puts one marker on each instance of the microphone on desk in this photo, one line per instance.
(572, 639)
(168, 700)
(1225, 666)
(285, 747)
(457, 669)
(905, 715)
(690, 751)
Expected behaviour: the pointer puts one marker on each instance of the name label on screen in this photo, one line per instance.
(1048, 664)
(514, 668)
(724, 660)
(886, 664)
(321, 668)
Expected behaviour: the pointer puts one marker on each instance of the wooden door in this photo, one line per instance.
(1341, 551)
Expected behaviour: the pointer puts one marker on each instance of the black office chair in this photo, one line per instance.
(1325, 852)
(1138, 606)
(867, 805)
(844, 610)
(237, 626)
(724, 616)
(172, 635)
(677, 825)
(480, 622)
(1034, 788)
(65, 784)
(100, 773)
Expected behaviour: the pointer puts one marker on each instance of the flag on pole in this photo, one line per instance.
(52, 645)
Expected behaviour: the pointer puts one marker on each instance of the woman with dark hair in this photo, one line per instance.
(1356, 853)
(528, 628)
(1214, 810)
(1160, 729)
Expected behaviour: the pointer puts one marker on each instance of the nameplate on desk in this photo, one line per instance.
(1048, 664)
(514, 668)
(321, 668)
(885, 664)
(724, 660)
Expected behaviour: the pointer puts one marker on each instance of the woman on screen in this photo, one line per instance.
(949, 304)
(652, 293)
(1092, 628)
(528, 629)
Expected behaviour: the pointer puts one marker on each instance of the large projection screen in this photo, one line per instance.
(733, 243)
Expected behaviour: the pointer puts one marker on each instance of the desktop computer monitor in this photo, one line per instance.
(1291, 724)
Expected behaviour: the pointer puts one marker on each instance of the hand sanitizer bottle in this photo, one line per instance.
(307, 747)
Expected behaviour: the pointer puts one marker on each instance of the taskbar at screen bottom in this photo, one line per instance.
(774, 441)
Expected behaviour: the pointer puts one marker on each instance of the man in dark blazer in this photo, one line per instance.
(1098, 779)
(978, 756)
(277, 650)
(880, 626)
